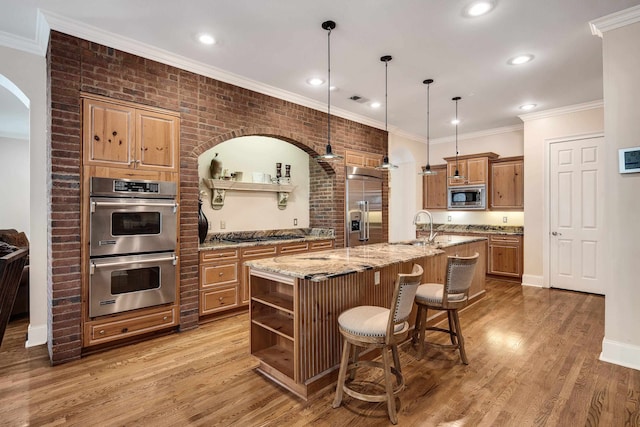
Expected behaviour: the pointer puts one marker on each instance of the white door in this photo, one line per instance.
(576, 225)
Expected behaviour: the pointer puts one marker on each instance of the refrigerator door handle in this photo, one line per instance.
(364, 232)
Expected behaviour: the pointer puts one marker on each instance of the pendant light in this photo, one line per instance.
(426, 170)
(386, 165)
(329, 155)
(457, 175)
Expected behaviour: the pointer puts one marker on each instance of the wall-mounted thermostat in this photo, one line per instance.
(629, 159)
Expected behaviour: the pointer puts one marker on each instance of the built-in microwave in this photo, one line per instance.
(467, 197)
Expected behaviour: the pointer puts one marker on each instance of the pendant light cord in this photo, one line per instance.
(329, 87)
(428, 87)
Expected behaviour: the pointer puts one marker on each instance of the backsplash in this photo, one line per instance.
(515, 218)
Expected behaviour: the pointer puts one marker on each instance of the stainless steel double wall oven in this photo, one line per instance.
(133, 240)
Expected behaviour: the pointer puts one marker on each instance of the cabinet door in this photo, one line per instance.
(354, 158)
(157, 141)
(507, 185)
(434, 189)
(505, 255)
(372, 160)
(108, 134)
(477, 171)
(462, 170)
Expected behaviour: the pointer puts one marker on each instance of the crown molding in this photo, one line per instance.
(562, 110)
(87, 32)
(35, 47)
(479, 134)
(615, 20)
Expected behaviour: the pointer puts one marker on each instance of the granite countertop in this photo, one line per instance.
(474, 228)
(264, 238)
(323, 265)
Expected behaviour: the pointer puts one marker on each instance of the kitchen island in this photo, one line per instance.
(296, 301)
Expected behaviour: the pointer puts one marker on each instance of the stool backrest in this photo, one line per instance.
(403, 296)
(460, 272)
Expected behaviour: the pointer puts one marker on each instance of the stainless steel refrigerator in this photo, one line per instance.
(364, 206)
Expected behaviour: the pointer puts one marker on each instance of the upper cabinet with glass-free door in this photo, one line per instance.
(474, 169)
(126, 135)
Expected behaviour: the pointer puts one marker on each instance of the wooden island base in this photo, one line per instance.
(294, 321)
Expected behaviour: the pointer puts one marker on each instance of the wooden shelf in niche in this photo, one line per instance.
(220, 187)
(277, 357)
(276, 300)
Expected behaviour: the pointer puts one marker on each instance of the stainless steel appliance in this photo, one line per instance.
(133, 239)
(364, 206)
(130, 216)
(467, 197)
(128, 282)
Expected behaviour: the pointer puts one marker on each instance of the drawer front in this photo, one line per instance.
(504, 239)
(324, 244)
(259, 252)
(108, 331)
(208, 256)
(294, 248)
(219, 274)
(218, 300)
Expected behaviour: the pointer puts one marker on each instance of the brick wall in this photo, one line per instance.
(211, 112)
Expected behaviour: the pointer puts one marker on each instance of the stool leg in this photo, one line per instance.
(344, 363)
(354, 360)
(396, 363)
(391, 400)
(463, 354)
(418, 325)
(423, 327)
(452, 328)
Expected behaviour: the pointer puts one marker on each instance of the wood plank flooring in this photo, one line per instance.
(533, 362)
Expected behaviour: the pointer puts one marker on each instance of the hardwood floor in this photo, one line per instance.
(533, 361)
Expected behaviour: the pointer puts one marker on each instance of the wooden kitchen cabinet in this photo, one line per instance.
(224, 279)
(505, 255)
(362, 159)
(474, 168)
(219, 280)
(507, 184)
(434, 189)
(129, 324)
(130, 136)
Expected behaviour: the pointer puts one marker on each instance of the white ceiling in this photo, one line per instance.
(277, 45)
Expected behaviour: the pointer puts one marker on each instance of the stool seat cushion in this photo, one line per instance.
(367, 320)
(432, 293)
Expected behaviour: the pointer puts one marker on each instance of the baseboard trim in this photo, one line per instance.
(622, 354)
(36, 335)
(531, 280)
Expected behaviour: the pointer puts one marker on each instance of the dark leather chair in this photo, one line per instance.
(11, 265)
(18, 239)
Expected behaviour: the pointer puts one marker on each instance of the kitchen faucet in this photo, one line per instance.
(432, 236)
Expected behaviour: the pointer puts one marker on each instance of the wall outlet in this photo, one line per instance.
(295, 221)
(504, 219)
(449, 218)
(376, 278)
(223, 224)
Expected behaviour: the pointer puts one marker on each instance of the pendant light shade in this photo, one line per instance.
(386, 165)
(426, 170)
(457, 175)
(329, 155)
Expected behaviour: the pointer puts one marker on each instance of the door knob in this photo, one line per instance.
(555, 233)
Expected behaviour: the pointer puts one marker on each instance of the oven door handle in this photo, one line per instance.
(173, 205)
(93, 266)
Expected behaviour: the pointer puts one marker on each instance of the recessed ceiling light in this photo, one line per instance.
(375, 105)
(478, 8)
(455, 121)
(206, 39)
(527, 107)
(520, 59)
(315, 81)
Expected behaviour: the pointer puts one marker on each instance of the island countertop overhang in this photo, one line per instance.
(332, 263)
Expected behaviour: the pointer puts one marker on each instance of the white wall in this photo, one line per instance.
(29, 73)
(249, 210)
(14, 193)
(621, 56)
(505, 143)
(539, 127)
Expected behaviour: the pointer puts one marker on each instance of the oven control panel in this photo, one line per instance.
(114, 187)
(135, 186)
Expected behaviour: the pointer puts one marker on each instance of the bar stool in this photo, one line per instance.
(378, 327)
(451, 296)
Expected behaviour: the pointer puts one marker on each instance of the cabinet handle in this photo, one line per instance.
(96, 137)
(220, 274)
(101, 332)
(125, 330)
(165, 317)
